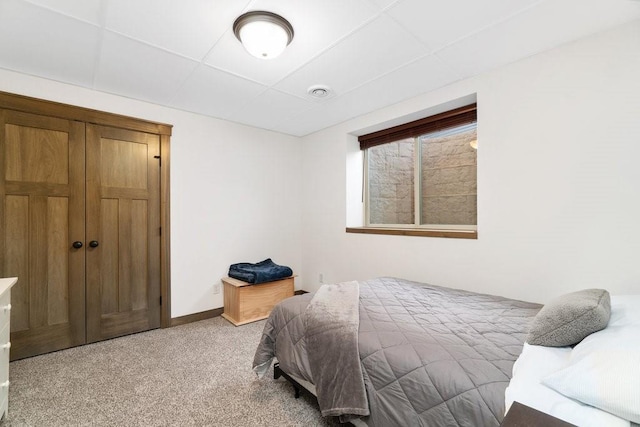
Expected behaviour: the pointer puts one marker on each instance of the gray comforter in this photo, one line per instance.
(430, 356)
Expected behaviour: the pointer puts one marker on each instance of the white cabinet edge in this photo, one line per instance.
(7, 283)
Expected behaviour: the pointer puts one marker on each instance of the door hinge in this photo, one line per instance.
(159, 160)
(160, 231)
(160, 299)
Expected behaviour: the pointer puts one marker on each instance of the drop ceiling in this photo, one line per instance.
(371, 53)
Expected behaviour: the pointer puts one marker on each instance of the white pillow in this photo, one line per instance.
(604, 369)
(535, 363)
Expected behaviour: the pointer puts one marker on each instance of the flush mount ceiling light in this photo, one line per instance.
(264, 35)
(474, 144)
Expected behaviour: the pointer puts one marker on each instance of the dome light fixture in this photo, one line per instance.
(264, 35)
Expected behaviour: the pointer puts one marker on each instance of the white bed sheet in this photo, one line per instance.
(536, 362)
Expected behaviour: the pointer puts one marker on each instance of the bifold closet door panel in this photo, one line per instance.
(123, 232)
(42, 186)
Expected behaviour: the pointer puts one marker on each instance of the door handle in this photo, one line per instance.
(77, 244)
(94, 243)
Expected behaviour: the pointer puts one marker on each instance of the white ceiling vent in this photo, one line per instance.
(319, 91)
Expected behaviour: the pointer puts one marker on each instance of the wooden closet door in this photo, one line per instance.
(41, 215)
(123, 219)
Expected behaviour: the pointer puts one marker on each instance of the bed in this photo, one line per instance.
(388, 351)
(428, 355)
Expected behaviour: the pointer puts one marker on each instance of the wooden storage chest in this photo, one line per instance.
(245, 302)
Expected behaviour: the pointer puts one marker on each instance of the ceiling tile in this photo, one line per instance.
(216, 93)
(383, 4)
(417, 78)
(316, 25)
(372, 53)
(137, 70)
(306, 122)
(376, 49)
(438, 24)
(86, 10)
(564, 20)
(187, 28)
(38, 41)
(268, 110)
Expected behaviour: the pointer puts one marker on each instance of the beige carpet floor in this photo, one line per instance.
(192, 375)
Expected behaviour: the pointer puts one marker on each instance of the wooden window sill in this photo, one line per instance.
(453, 234)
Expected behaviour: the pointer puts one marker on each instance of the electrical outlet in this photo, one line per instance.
(321, 278)
(216, 288)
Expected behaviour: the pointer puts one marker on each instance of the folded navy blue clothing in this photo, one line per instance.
(264, 271)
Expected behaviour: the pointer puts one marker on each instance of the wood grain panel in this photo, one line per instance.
(72, 112)
(38, 266)
(44, 158)
(32, 134)
(37, 189)
(124, 256)
(139, 255)
(16, 259)
(124, 193)
(132, 322)
(95, 230)
(259, 300)
(165, 236)
(124, 163)
(154, 257)
(121, 165)
(109, 249)
(38, 341)
(36, 155)
(58, 260)
(244, 303)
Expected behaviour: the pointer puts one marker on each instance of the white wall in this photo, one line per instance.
(235, 190)
(558, 182)
(558, 201)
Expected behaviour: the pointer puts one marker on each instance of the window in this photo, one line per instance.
(421, 176)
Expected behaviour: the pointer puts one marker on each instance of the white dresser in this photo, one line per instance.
(5, 344)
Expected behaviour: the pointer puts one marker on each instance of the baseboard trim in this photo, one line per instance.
(195, 317)
(210, 314)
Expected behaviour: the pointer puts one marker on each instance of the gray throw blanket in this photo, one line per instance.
(332, 321)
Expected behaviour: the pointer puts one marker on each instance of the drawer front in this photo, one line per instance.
(4, 357)
(5, 308)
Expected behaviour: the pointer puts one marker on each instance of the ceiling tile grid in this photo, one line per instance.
(371, 53)
(215, 93)
(37, 41)
(523, 36)
(85, 10)
(140, 71)
(186, 28)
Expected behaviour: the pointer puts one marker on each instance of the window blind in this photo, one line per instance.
(448, 119)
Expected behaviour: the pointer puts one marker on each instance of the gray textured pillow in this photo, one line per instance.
(568, 319)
